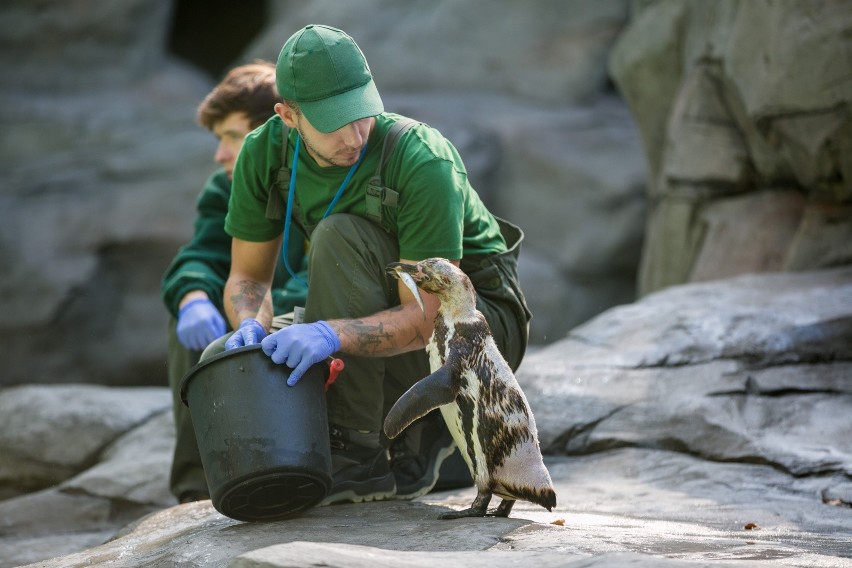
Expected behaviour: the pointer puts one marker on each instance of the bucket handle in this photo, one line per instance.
(334, 368)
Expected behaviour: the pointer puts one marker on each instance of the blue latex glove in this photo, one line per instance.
(300, 346)
(249, 332)
(199, 323)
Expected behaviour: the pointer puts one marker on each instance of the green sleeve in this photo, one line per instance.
(205, 261)
(255, 172)
(431, 213)
(433, 195)
(440, 213)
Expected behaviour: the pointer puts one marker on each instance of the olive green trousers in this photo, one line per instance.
(187, 474)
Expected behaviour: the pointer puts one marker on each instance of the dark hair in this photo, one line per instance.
(248, 88)
(293, 105)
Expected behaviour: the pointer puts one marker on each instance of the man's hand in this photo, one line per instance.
(300, 346)
(249, 332)
(199, 323)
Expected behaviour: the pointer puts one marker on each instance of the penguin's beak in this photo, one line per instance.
(403, 272)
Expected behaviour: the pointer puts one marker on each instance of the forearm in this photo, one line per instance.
(245, 298)
(397, 330)
(248, 288)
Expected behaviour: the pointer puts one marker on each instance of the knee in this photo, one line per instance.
(344, 235)
(335, 233)
(216, 346)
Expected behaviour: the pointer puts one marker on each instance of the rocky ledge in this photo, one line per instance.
(705, 424)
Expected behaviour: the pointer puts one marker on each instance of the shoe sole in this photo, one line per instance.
(352, 495)
(443, 454)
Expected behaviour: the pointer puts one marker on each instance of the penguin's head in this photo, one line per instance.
(434, 275)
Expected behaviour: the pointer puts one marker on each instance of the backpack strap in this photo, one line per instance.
(276, 202)
(377, 194)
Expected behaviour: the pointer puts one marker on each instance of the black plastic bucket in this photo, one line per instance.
(264, 445)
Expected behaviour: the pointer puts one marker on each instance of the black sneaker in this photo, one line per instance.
(417, 455)
(360, 469)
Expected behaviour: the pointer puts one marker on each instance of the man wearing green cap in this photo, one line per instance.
(317, 166)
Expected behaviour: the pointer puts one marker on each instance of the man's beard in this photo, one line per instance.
(328, 160)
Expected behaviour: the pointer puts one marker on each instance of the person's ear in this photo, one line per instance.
(287, 114)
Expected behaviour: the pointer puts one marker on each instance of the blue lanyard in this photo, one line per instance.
(331, 205)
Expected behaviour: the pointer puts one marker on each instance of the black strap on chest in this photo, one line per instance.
(377, 195)
(276, 201)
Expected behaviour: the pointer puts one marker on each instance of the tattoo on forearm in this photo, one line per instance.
(371, 338)
(248, 298)
(376, 340)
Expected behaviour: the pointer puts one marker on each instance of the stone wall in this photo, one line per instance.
(744, 109)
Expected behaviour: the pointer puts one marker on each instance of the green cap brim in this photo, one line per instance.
(333, 113)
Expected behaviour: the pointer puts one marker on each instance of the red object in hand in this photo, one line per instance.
(334, 368)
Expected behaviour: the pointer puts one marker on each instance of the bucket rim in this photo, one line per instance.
(184, 382)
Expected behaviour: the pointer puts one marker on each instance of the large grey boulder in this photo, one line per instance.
(743, 109)
(79, 462)
(717, 370)
(51, 433)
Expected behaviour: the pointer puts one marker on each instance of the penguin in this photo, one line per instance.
(480, 400)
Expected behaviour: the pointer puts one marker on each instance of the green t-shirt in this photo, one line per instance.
(438, 212)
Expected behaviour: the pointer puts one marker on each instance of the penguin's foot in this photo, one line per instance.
(469, 512)
(503, 509)
(479, 508)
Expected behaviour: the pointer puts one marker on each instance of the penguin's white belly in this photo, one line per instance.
(476, 441)
(453, 415)
(467, 436)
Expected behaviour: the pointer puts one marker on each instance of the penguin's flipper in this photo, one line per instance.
(424, 396)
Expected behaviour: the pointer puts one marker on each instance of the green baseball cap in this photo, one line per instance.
(323, 70)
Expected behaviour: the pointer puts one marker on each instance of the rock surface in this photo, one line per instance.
(55, 433)
(744, 112)
(705, 424)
